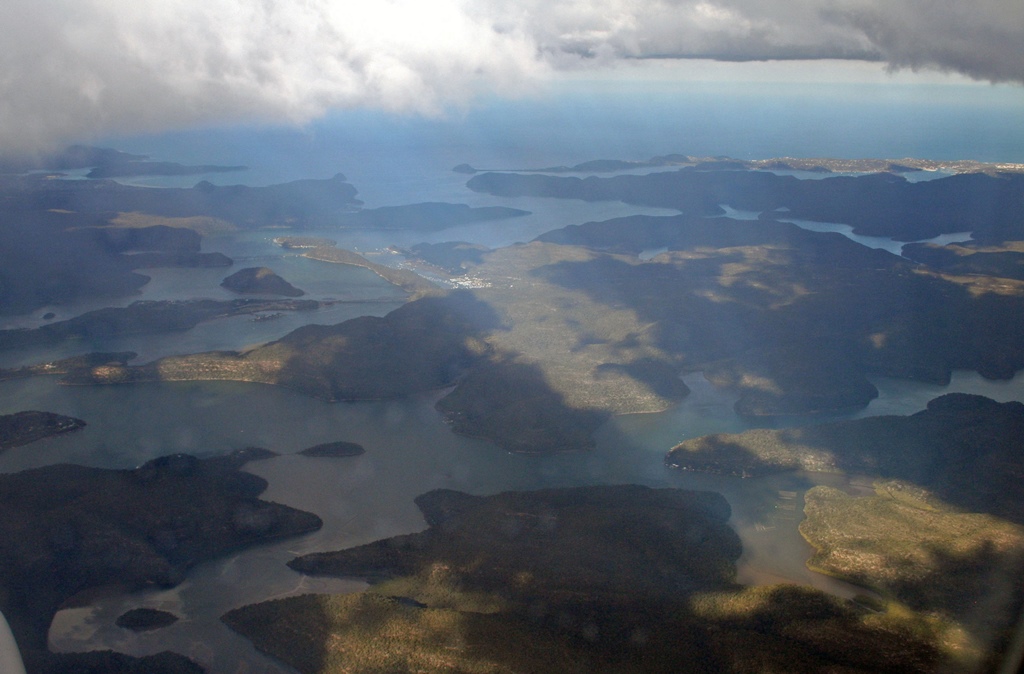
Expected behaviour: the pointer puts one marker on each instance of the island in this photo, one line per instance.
(66, 529)
(260, 281)
(339, 449)
(145, 317)
(22, 428)
(67, 365)
(608, 579)
(426, 217)
(145, 619)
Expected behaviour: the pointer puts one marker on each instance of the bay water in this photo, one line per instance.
(409, 449)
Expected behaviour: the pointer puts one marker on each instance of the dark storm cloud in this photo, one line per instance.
(74, 68)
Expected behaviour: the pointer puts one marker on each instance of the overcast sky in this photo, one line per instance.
(73, 69)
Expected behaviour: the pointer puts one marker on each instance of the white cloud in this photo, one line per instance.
(73, 68)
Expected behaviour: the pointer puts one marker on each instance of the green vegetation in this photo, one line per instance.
(1004, 260)
(260, 281)
(22, 428)
(595, 579)
(876, 204)
(68, 365)
(941, 539)
(640, 542)
(421, 346)
(451, 257)
(409, 281)
(65, 529)
(793, 321)
(578, 327)
(962, 568)
(964, 449)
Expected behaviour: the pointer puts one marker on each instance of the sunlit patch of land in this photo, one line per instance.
(405, 279)
(964, 448)
(600, 579)
(958, 569)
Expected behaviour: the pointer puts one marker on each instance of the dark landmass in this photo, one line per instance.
(157, 246)
(187, 260)
(260, 281)
(70, 158)
(63, 241)
(66, 365)
(46, 259)
(56, 257)
(145, 619)
(511, 404)
(137, 239)
(65, 529)
(880, 204)
(451, 257)
(128, 169)
(426, 217)
(339, 449)
(787, 380)
(597, 579)
(668, 542)
(109, 662)
(144, 317)
(109, 163)
(21, 428)
(1005, 260)
(298, 203)
(421, 346)
(966, 449)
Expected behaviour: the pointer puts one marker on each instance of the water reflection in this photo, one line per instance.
(365, 498)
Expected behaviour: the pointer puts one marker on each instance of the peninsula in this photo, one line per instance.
(607, 579)
(67, 529)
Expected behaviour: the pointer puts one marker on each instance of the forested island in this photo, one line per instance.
(25, 427)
